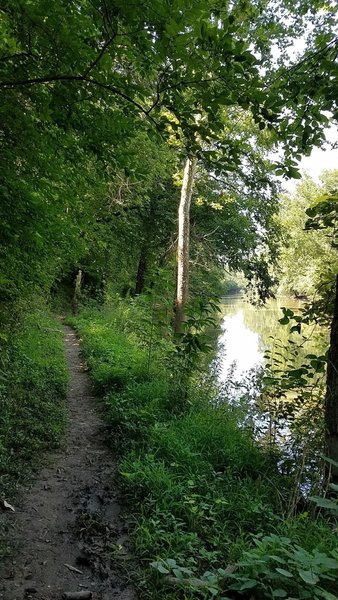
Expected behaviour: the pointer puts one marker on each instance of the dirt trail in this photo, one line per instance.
(70, 516)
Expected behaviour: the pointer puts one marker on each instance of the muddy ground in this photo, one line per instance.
(68, 533)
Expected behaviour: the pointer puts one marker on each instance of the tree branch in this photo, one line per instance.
(79, 79)
(193, 81)
(17, 55)
(294, 68)
(158, 90)
(101, 53)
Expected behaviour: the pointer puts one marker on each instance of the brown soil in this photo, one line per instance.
(70, 518)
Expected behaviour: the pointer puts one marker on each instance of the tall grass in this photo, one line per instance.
(198, 486)
(33, 388)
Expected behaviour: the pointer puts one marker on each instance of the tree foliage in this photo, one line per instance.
(308, 261)
(100, 103)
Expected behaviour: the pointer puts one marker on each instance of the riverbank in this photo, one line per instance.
(247, 331)
(208, 505)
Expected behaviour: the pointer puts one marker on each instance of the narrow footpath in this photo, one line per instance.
(68, 537)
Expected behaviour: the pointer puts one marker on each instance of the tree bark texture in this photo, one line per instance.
(331, 399)
(182, 282)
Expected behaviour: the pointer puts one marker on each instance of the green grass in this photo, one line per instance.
(200, 476)
(33, 388)
(115, 354)
(199, 488)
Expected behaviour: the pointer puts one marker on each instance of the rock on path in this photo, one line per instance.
(69, 521)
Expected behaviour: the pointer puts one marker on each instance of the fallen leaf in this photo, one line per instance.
(9, 506)
(74, 569)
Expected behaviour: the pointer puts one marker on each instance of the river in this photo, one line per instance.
(247, 331)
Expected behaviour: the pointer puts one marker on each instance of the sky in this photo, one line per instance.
(319, 161)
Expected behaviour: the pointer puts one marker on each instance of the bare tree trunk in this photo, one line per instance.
(182, 281)
(77, 291)
(331, 399)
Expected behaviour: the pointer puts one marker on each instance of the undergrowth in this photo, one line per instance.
(208, 504)
(33, 386)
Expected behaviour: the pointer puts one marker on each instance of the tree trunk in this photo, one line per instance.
(331, 399)
(148, 235)
(77, 291)
(182, 281)
(141, 271)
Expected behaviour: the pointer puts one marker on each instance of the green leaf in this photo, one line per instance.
(178, 573)
(327, 561)
(158, 565)
(279, 593)
(284, 321)
(213, 591)
(162, 569)
(326, 595)
(294, 173)
(172, 28)
(309, 577)
(284, 572)
(296, 328)
(276, 558)
(324, 502)
(248, 585)
(171, 562)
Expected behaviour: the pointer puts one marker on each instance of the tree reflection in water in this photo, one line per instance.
(247, 332)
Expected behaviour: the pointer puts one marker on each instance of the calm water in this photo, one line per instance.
(246, 332)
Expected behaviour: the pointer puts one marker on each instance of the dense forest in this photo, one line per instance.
(143, 150)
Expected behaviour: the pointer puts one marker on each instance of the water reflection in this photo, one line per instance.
(241, 347)
(247, 331)
(289, 422)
